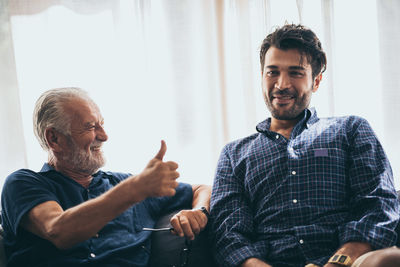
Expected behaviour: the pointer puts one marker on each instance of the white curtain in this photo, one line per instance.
(186, 71)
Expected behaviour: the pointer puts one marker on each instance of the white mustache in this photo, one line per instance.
(96, 146)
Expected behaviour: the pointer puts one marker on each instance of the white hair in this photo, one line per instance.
(49, 112)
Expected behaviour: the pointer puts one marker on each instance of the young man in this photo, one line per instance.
(303, 190)
(73, 214)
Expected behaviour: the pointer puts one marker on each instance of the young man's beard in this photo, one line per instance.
(83, 161)
(296, 109)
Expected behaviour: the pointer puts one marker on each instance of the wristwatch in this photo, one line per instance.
(205, 211)
(341, 259)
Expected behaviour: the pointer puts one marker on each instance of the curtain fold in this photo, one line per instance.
(12, 143)
(329, 33)
(389, 44)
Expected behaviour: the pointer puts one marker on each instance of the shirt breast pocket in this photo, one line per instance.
(327, 174)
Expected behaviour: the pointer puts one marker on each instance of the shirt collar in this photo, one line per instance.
(48, 168)
(309, 118)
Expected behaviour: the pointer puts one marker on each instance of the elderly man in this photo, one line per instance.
(73, 214)
(303, 190)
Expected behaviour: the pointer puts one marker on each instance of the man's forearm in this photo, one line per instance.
(201, 196)
(83, 221)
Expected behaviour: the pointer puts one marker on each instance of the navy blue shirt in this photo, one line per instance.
(295, 201)
(120, 243)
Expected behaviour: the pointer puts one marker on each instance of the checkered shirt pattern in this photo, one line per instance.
(295, 201)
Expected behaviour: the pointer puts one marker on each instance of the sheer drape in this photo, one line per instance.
(186, 71)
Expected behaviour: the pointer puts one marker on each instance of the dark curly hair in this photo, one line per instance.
(291, 36)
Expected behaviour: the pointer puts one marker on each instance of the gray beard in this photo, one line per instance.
(83, 161)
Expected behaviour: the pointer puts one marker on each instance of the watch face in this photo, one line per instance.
(342, 259)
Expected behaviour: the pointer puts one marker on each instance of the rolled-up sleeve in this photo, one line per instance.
(231, 219)
(375, 208)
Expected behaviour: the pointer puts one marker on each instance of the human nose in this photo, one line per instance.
(283, 82)
(101, 134)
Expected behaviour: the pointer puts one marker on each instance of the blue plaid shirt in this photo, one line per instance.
(295, 201)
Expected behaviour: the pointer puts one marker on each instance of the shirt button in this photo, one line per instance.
(301, 241)
(294, 201)
(92, 255)
(277, 136)
(294, 172)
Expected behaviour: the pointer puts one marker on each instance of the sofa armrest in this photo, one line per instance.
(171, 250)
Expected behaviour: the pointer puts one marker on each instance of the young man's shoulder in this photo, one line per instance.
(245, 146)
(348, 121)
(244, 141)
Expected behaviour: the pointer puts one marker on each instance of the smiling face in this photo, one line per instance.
(81, 150)
(287, 83)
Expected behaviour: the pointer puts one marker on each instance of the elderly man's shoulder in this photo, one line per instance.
(50, 177)
(21, 174)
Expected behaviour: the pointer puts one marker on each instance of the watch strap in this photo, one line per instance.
(205, 211)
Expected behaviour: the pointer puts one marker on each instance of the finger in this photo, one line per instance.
(187, 227)
(168, 187)
(161, 152)
(195, 224)
(173, 175)
(175, 184)
(176, 225)
(172, 165)
(169, 192)
(201, 219)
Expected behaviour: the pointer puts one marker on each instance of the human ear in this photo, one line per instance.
(53, 139)
(316, 83)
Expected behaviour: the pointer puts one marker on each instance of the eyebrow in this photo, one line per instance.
(290, 68)
(90, 123)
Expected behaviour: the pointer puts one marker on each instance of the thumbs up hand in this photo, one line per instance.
(159, 177)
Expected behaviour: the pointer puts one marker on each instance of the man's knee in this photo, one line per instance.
(389, 257)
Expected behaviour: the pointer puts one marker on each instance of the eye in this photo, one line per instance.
(272, 73)
(91, 127)
(296, 74)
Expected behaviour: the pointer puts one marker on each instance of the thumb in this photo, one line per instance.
(162, 151)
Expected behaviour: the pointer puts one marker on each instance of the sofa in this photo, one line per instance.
(168, 250)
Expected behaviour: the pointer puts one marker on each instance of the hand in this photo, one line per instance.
(255, 262)
(332, 265)
(189, 223)
(159, 178)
